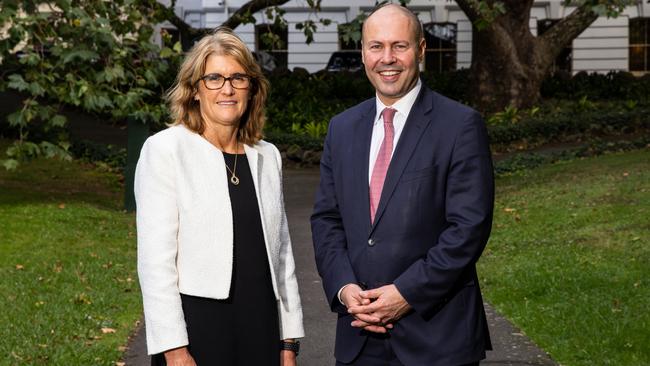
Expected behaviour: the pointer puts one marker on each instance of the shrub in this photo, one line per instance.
(567, 122)
(619, 85)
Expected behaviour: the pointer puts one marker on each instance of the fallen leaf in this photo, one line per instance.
(19, 266)
(108, 330)
(61, 205)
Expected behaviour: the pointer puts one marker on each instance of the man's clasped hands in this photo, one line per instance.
(375, 310)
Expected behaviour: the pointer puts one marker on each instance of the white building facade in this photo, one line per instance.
(621, 43)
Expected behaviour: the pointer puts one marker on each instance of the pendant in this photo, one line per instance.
(234, 180)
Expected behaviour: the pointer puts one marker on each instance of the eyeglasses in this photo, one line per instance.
(217, 81)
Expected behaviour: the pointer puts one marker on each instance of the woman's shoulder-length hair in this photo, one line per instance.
(185, 110)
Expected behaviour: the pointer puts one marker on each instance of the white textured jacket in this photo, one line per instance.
(185, 237)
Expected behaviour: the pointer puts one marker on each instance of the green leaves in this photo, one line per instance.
(23, 150)
(79, 55)
(17, 82)
(308, 27)
(488, 11)
(351, 32)
(96, 55)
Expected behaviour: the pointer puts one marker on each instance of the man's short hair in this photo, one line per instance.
(418, 29)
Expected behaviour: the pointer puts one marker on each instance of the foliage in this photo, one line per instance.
(569, 258)
(285, 139)
(529, 160)
(94, 55)
(594, 86)
(508, 116)
(98, 56)
(110, 156)
(67, 266)
(299, 98)
(566, 122)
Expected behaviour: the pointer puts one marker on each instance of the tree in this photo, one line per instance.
(92, 54)
(508, 62)
(98, 56)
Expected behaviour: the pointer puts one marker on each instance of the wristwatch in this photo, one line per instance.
(290, 346)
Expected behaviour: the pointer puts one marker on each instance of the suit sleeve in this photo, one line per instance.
(469, 202)
(328, 234)
(157, 224)
(290, 309)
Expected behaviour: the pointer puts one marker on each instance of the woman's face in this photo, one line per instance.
(224, 106)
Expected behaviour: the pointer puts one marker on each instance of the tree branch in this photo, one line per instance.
(247, 10)
(567, 29)
(470, 8)
(186, 31)
(518, 9)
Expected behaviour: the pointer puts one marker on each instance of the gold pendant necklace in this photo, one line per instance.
(233, 177)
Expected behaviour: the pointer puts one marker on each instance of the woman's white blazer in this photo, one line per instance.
(185, 231)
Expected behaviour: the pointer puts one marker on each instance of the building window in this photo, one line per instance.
(565, 58)
(640, 44)
(349, 44)
(440, 54)
(272, 40)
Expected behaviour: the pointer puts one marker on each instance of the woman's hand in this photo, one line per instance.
(287, 358)
(179, 357)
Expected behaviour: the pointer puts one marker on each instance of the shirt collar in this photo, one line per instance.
(404, 105)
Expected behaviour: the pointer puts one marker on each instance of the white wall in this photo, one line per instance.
(600, 48)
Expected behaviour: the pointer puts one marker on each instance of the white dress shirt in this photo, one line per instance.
(403, 107)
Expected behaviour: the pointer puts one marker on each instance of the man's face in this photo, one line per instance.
(391, 54)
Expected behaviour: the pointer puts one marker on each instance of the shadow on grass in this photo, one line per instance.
(59, 182)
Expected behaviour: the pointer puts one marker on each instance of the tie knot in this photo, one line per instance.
(388, 114)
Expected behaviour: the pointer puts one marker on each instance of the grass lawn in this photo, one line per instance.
(568, 262)
(569, 258)
(67, 266)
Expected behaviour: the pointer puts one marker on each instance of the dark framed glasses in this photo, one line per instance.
(217, 81)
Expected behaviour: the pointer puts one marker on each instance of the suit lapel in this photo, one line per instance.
(416, 122)
(360, 156)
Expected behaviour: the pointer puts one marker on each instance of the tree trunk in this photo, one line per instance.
(507, 67)
(508, 62)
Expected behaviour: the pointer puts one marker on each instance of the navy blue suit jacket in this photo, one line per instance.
(432, 223)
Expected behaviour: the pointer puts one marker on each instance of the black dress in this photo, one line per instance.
(242, 330)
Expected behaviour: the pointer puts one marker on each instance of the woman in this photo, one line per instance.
(214, 255)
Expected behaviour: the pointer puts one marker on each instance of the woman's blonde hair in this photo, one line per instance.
(186, 111)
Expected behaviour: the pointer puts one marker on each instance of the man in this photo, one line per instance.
(403, 212)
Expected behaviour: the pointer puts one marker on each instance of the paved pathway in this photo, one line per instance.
(512, 348)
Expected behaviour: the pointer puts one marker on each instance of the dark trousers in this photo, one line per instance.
(378, 352)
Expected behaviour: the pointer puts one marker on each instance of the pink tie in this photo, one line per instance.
(382, 162)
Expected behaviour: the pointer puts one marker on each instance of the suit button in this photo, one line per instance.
(371, 242)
